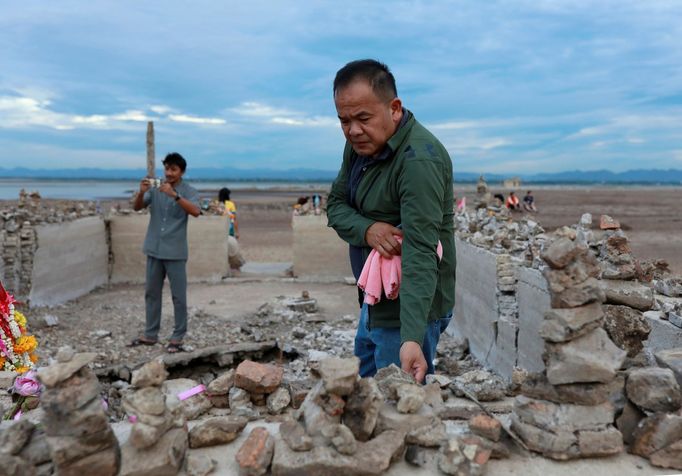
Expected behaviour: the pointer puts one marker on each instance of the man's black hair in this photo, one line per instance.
(175, 159)
(224, 194)
(374, 72)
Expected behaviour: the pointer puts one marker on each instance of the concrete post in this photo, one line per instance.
(150, 150)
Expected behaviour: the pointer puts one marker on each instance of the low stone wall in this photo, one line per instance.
(499, 307)
(207, 237)
(318, 251)
(70, 260)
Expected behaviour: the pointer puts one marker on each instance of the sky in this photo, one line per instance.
(507, 86)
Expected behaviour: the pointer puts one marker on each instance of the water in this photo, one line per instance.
(93, 189)
(107, 189)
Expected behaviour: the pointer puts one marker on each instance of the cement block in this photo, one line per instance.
(70, 261)
(533, 299)
(503, 357)
(207, 240)
(318, 250)
(476, 311)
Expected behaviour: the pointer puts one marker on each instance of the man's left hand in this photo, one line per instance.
(412, 360)
(167, 189)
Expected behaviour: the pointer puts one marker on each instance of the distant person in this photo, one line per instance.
(166, 248)
(317, 203)
(513, 202)
(234, 256)
(230, 211)
(529, 202)
(499, 199)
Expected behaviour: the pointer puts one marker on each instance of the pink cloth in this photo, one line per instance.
(384, 274)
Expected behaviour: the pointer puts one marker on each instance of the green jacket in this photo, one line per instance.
(413, 188)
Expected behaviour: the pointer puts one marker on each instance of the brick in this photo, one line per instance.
(486, 426)
(258, 378)
(255, 455)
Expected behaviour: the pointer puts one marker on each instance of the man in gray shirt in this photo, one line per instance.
(166, 248)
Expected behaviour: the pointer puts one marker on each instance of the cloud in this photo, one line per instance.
(160, 109)
(196, 119)
(17, 112)
(281, 116)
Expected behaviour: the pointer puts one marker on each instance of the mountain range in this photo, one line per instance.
(651, 176)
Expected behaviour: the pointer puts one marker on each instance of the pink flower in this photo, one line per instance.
(27, 384)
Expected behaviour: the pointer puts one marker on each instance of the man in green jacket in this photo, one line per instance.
(395, 181)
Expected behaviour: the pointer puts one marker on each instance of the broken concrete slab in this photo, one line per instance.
(455, 408)
(628, 293)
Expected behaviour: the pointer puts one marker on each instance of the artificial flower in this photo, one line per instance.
(27, 385)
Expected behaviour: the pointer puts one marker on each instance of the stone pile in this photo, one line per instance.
(358, 426)
(627, 293)
(651, 420)
(158, 439)
(668, 301)
(79, 437)
(565, 412)
(24, 450)
(483, 196)
(493, 229)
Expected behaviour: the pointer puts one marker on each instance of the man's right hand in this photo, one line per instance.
(380, 237)
(145, 185)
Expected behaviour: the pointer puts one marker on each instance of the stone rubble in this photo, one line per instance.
(158, 438)
(578, 354)
(76, 426)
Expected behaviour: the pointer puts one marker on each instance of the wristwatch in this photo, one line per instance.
(177, 196)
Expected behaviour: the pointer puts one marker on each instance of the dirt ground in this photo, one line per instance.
(650, 216)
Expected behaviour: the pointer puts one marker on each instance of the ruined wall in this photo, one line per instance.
(70, 260)
(207, 237)
(318, 251)
(499, 303)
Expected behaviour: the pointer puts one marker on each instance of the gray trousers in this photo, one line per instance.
(157, 270)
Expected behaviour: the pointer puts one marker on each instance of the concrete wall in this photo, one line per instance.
(475, 315)
(71, 259)
(206, 235)
(318, 250)
(498, 342)
(533, 300)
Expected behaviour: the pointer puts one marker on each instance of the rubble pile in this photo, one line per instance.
(565, 412)
(24, 450)
(158, 438)
(626, 287)
(492, 228)
(651, 420)
(77, 429)
(668, 300)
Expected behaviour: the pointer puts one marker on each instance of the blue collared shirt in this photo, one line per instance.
(167, 231)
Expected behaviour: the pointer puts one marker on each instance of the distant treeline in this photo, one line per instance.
(642, 176)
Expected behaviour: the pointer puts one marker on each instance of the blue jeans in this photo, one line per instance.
(380, 347)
